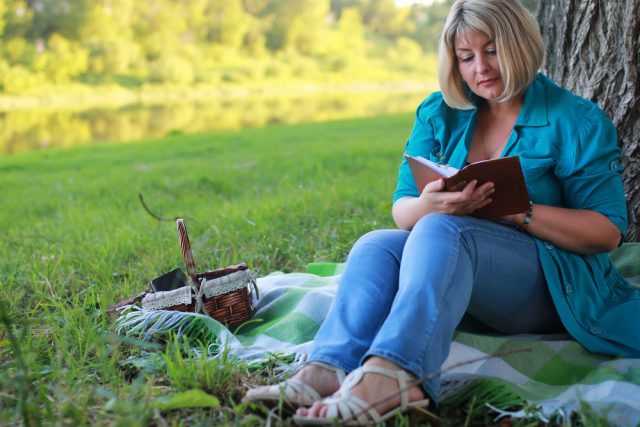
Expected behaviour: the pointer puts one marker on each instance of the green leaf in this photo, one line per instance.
(195, 398)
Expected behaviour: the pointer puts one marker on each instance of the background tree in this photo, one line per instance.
(51, 45)
(228, 23)
(384, 18)
(593, 49)
(429, 20)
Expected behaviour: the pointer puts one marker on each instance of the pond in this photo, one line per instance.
(29, 130)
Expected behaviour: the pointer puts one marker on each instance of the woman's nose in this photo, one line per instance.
(482, 64)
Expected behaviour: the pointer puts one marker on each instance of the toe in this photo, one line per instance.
(317, 410)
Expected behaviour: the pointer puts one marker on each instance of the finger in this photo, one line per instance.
(484, 203)
(487, 189)
(434, 186)
(487, 201)
(469, 189)
(481, 197)
(486, 186)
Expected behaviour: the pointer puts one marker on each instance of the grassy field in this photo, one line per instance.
(75, 238)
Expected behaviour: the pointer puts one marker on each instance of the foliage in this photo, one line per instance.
(166, 42)
(62, 60)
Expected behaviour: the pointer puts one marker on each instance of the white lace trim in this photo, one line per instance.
(160, 300)
(226, 284)
(210, 288)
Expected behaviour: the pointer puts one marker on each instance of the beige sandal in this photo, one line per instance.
(293, 393)
(346, 409)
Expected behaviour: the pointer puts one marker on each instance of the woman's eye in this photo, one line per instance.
(491, 52)
(465, 58)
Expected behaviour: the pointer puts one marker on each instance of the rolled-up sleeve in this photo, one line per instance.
(589, 170)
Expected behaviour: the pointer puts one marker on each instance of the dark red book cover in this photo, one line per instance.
(510, 196)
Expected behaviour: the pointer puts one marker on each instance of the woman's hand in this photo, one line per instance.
(457, 202)
(408, 210)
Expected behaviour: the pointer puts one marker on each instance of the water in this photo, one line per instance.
(29, 130)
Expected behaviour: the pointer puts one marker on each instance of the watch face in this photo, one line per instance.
(167, 282)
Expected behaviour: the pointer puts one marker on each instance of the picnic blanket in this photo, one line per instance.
(557, 377)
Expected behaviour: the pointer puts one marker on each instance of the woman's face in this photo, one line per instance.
(478, 64)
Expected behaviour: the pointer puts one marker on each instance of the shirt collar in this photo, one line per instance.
(534, 108)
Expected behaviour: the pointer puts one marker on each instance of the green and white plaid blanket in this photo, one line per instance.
(558, 377)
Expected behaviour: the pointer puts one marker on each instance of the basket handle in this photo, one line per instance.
(185, 246)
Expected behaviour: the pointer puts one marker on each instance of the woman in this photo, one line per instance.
(404, 291)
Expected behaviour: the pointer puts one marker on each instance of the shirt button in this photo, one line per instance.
(595, 331)
(613, 165)
(548, 245)
(568, 289)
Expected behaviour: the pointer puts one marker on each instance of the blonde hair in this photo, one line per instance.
(519, 46)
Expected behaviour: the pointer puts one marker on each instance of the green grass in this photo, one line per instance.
(75, 238)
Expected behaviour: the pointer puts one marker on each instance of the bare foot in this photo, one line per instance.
(324, 381)
(373, 388)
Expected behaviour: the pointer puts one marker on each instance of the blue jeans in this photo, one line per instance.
(403, 293)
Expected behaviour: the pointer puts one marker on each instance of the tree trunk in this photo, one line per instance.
(593, 49)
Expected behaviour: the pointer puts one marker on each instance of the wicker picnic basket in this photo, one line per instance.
(226, 294)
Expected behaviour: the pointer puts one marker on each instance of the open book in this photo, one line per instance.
(510, 195)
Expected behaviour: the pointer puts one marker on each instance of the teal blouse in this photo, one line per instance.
(569, 156)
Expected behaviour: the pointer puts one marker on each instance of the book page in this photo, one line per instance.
(444, 170)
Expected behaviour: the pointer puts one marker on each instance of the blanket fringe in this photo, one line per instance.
(151, 325)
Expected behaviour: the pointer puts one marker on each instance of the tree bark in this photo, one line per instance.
(593, 49)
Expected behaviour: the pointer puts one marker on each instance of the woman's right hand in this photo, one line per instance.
(408, 210)
(464, 202)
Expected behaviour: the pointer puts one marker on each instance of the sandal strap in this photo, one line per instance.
(345, 408)
(351, 408)
(301, 392)
(295, 391)
(401, 377)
